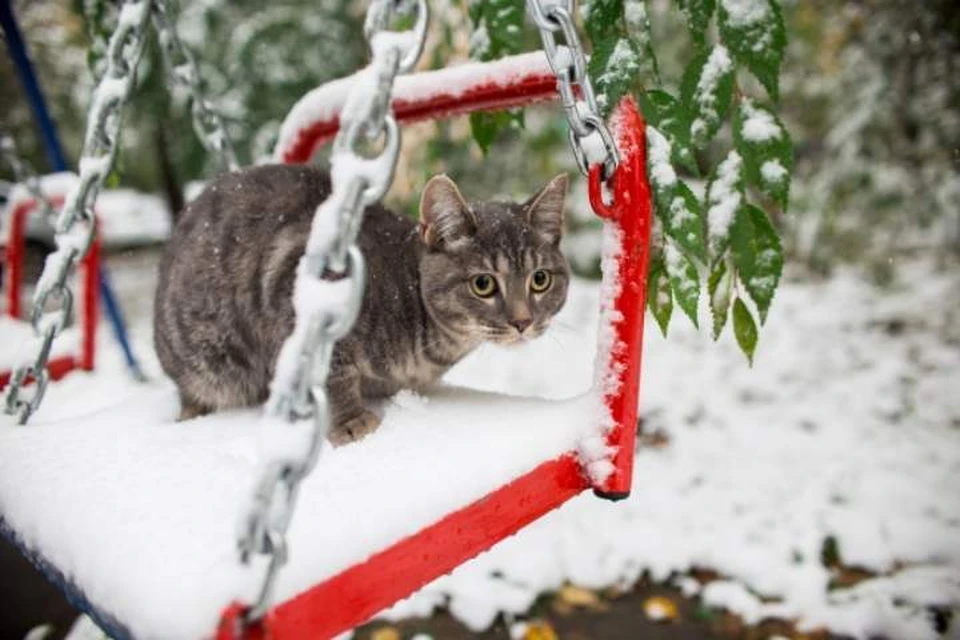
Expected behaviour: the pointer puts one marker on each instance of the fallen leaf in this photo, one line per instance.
(385, 633)
(660, 609)
(540, 630)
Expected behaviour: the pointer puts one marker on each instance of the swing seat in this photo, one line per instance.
(135, 516)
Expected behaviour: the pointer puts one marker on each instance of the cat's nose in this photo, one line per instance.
(522, 324)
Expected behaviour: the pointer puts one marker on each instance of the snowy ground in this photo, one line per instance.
(848, 426)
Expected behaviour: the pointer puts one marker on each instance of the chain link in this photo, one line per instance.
(569, 64)
(330, 261)
(182, 71)
(76, 226)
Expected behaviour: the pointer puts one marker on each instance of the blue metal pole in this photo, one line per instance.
(38, 105)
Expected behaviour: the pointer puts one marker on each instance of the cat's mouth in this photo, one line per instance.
(513, 336)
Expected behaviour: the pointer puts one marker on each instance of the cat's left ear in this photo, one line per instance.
(544, 211)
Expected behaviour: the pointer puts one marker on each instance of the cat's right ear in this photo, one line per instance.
(445, 218)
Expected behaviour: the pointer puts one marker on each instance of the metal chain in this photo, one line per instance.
(24, 173)
(332, 266)
(75, 227)
(182, 71)
(570, 66)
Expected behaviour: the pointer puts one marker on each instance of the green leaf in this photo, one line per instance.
(636, 19)
(755, 34)
(615, 68)
(487, 125)
(757, 255)
(724, 197)
(498, 25)
(684, 222)
(665, 112)
(719, 288)
(767, 152)
(744, 328)
(602, 20)
(706, 91)
(659, 298)
(684, 280)
(698, 14)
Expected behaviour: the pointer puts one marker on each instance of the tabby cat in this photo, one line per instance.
(467, 273)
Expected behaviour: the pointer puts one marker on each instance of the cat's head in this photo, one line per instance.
(493, 270)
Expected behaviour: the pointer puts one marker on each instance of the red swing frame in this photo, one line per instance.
(353, 596)
(58, 366)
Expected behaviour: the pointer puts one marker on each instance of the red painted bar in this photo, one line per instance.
(352, 597)
(90, 293)
(489, 96)
(632, 212)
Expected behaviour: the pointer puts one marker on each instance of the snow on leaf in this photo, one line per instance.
(661, 170)
(767, 152)
(684, 280)
(757, 255)
(707, 89)
(754, 32)
(614, 65)
(724, 196)
(659, 297)
(666, 113)
(698, 14)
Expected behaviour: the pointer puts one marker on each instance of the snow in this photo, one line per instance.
(661, 169)
(125, 217)
(759, 125)
(839, 429)
(773, 172)
(20, 342)
(324, 103)
(723, 198)
(842, 428)
(745, 13)
(705, 95)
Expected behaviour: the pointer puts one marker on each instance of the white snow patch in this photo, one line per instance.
(773, 172)
(661, 168)
(723, 198)
(745, 13)
(759, 124)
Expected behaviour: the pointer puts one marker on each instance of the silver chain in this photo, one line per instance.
(76, 226)
(570, 66)
(182, 71)
(24, 173)
(332, 268)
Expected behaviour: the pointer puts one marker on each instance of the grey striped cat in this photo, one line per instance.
(467, 273)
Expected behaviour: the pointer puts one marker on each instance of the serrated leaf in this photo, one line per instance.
(698, 14)
(684, 222)
(764, 143)
(684, 281)
(744, 329)
(602, 20)
(754, 32)
(706, 91)
(724, 197)
(719, 288)
(665, 112)
(487, 125)
(757, 255)
(614, 67)
(659, 297)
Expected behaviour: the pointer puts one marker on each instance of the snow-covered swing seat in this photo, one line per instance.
(134, 516)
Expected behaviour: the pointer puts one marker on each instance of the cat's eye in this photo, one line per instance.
(541, 280)
(483, 285)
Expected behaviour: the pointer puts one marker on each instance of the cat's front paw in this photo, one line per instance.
(353, 429)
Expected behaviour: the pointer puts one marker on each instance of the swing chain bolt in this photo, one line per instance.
(569, 65)
(358, 180)
(99, 151)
